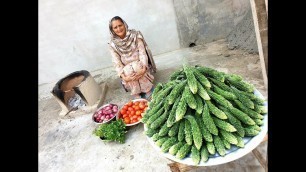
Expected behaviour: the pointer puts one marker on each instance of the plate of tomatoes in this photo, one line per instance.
(132, 112)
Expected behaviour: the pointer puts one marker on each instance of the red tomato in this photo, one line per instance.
(136, 108)
(125, 107)
(123, 111)
(127, 120)
(130, 104)
(138, 112)
(141, 105)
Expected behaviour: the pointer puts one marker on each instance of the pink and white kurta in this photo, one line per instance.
(145, 83)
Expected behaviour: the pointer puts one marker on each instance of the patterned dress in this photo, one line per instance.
(128, 64)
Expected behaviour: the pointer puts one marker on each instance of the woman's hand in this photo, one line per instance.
(140, 74)
(125, 78)
(129, 78)
(134, 76)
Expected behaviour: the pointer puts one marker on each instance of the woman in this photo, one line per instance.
(132, 58)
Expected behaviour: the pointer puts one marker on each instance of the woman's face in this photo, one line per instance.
(119, 28)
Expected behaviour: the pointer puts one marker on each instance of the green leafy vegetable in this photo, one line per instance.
(114, 131)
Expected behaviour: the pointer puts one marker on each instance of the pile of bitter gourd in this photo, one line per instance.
(202, 111)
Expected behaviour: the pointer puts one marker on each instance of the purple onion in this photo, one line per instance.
(104, 111)
(107, 108)
(115, 109)
(103, 117)
(109, 112)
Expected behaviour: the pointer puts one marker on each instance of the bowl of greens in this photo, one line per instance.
(112, 131)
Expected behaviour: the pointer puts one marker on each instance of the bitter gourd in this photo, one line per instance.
(240, 84)
(191, 101)
(171, 117)
(156, 90)
(183, 151)
(208, 121)
(211, 72)
(160, 120)
(161, 140)
(244, 99)
(224, 125)
(240, 140)
(163, 93)
(248, 111)
(259, 122)
(188, 133)
(200, 106)
(228, 136)
(220, 84)
(173, 149)
(164, 130)
(234, 121)
(219, 145)
(168, 143)
(196, 133)
(150, 132)
(214, 110)
(260, 109)
(250, 131)
(202, 92)
(181, 109)
(233, 76)
(181, 132)
(211, 148)
(219, 99)
(150, 112)
(205, 133)
(174, 129)
(176, 92)
(226, 94)
(244, 118)
(155, 137)
(201, 78)
(226, 144)
(191, 80)
(195, 155)
(175, 74)
(204, 154)
(253, 127)
(153, 117)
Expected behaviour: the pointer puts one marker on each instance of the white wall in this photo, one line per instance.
(73, 34)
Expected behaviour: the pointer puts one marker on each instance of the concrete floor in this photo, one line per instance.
(67, 143)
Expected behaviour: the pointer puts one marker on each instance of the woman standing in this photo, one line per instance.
(132, 58)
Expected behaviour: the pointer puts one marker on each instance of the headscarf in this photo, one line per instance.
(127, 45)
